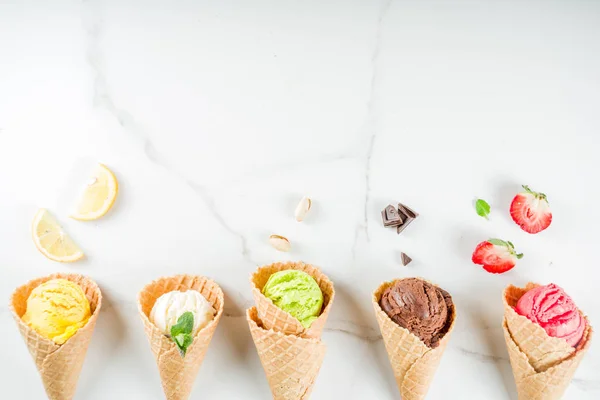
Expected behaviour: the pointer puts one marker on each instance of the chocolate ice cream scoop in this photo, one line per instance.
(422, 308)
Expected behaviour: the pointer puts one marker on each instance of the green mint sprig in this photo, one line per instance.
(181, 332)
(482, 208)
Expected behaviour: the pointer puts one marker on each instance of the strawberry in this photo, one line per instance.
(496, 256)
(531, 211)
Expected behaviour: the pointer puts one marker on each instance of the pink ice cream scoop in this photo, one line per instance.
(551, 308)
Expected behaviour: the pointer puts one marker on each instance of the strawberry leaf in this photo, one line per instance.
(519, 256)
(541, 196)
(498, 242)
(483, 208)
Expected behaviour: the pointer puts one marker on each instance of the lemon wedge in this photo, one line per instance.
(98, 196)
(51, 240)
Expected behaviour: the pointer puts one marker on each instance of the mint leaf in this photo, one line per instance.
(183, 341)
(498, 242)
(185, 324)
(179, 339)
(181, 332)
(482, 208)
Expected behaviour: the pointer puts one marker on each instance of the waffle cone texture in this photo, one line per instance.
(291, 363)
(543, 366)
(178, 373)
(272, 317)
(414, 364)
(290, 354)
(59, 365)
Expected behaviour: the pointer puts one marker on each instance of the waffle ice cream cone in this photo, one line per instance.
(291, 362)
(272, 317)
(178, 373)
(290, 354)
(543, 366)
(414, 364)
(58, 365)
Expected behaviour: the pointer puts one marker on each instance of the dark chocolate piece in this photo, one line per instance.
(405, 210)
(391, 216)
(406, 223)
(408, 214)
(405, 259)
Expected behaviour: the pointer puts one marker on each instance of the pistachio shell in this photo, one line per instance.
(302, 208)
(280, 243)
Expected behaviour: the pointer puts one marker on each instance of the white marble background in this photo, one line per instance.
(217, 116)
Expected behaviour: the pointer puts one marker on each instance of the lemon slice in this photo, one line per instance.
(99, 195)
(51, 240)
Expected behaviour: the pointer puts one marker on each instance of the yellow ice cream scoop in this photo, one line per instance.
(56, 309)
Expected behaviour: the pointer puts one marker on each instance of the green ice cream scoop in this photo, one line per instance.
(297, 293)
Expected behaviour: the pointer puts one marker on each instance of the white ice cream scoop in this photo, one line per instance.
(170, 306)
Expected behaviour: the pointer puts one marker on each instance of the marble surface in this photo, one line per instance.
(218, 116)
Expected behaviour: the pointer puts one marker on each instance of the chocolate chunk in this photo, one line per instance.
(406, 223)
(391, 213)
(408, 214)
(391, 216)
(405, 210)
(405, 259)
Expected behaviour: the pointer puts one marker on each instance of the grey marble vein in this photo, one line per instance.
(486, 358)
(360, 331)
(102, 98)
(369, 124)
(369, 338)
(212, 207)
(365, 222)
